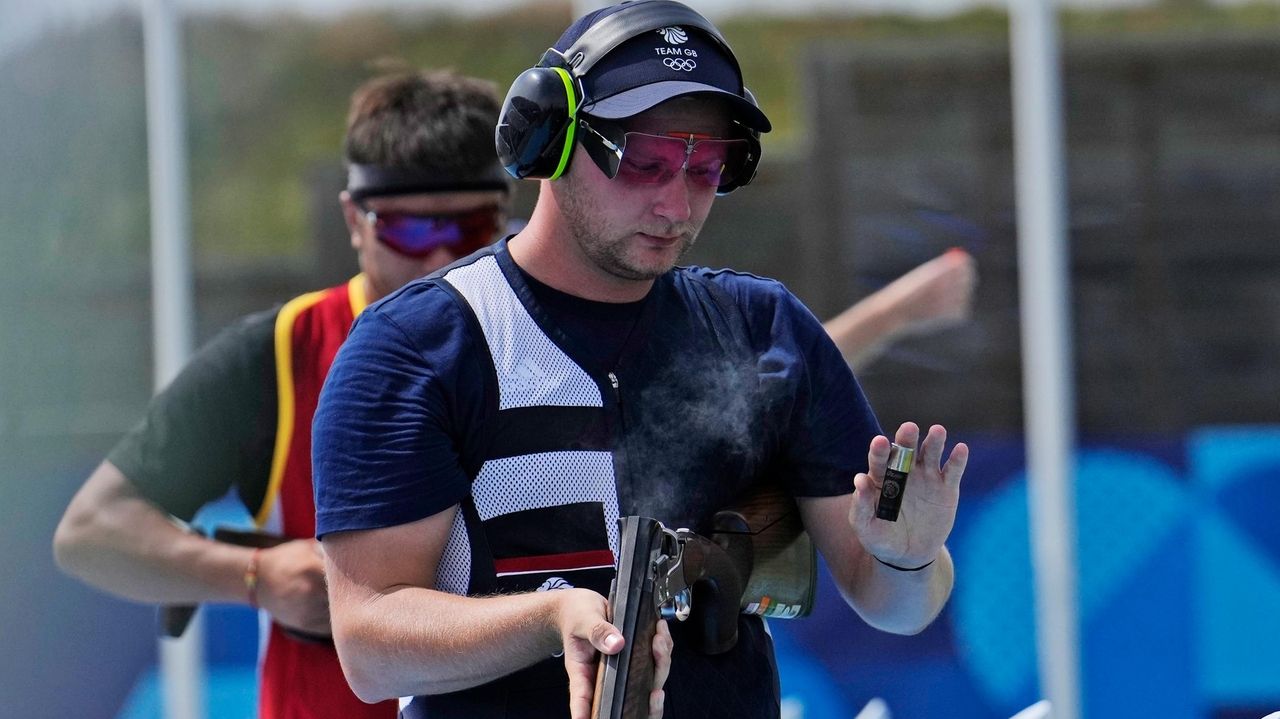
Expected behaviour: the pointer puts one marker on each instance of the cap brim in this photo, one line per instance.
(638, 99)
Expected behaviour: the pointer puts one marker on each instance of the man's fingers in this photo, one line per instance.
(865, 495)
(656, 700)
(956, 463)
(908, 435)
(581, 688)
(930, 456)
(877, 455)
(662, 647)
(606, 638)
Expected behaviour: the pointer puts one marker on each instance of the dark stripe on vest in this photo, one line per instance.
(531, 430)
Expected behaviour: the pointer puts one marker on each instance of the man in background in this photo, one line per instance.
(424, 189)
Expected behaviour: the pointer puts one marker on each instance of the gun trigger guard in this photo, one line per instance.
(670, 592)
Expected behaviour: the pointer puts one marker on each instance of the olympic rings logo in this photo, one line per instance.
(679, 63)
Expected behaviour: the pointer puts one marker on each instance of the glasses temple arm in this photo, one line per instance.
(604, 140)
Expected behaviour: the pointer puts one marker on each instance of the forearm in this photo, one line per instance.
(412, 641)
(862, 329)
(937, 292)
(893, 600)
(114, 539)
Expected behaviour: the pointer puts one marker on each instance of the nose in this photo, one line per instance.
(672, 199)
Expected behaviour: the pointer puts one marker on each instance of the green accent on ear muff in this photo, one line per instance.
(567, 151)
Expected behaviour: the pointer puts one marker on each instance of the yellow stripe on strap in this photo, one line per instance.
(356, 293)
(285, 398)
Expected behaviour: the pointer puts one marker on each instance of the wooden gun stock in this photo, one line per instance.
(624, 680)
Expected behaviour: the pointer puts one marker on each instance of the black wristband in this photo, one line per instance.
(904, 569)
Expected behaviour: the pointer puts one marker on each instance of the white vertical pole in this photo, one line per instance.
(181, 662)
(1047, 377)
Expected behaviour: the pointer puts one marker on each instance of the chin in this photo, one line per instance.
(646, 271)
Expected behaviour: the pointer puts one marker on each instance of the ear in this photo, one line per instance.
(354, 218)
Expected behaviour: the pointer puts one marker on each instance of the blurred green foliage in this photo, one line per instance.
(267, 101)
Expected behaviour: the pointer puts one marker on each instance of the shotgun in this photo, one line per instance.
(758, 560)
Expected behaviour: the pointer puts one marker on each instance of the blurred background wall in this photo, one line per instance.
(893, 143)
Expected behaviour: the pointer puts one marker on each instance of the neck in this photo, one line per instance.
(547, 249)
(371, 294)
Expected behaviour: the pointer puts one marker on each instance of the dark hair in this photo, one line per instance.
(435, 121)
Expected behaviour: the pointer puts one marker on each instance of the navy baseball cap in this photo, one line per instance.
(656, 66)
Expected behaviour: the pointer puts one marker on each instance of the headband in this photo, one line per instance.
(377, 180)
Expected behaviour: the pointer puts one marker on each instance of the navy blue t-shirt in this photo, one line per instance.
(405, 417)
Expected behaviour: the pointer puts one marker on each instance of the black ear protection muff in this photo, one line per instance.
(535, 130)
(753, 155)
(537, 125)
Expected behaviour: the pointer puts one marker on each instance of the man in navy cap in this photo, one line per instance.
(482, 430)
